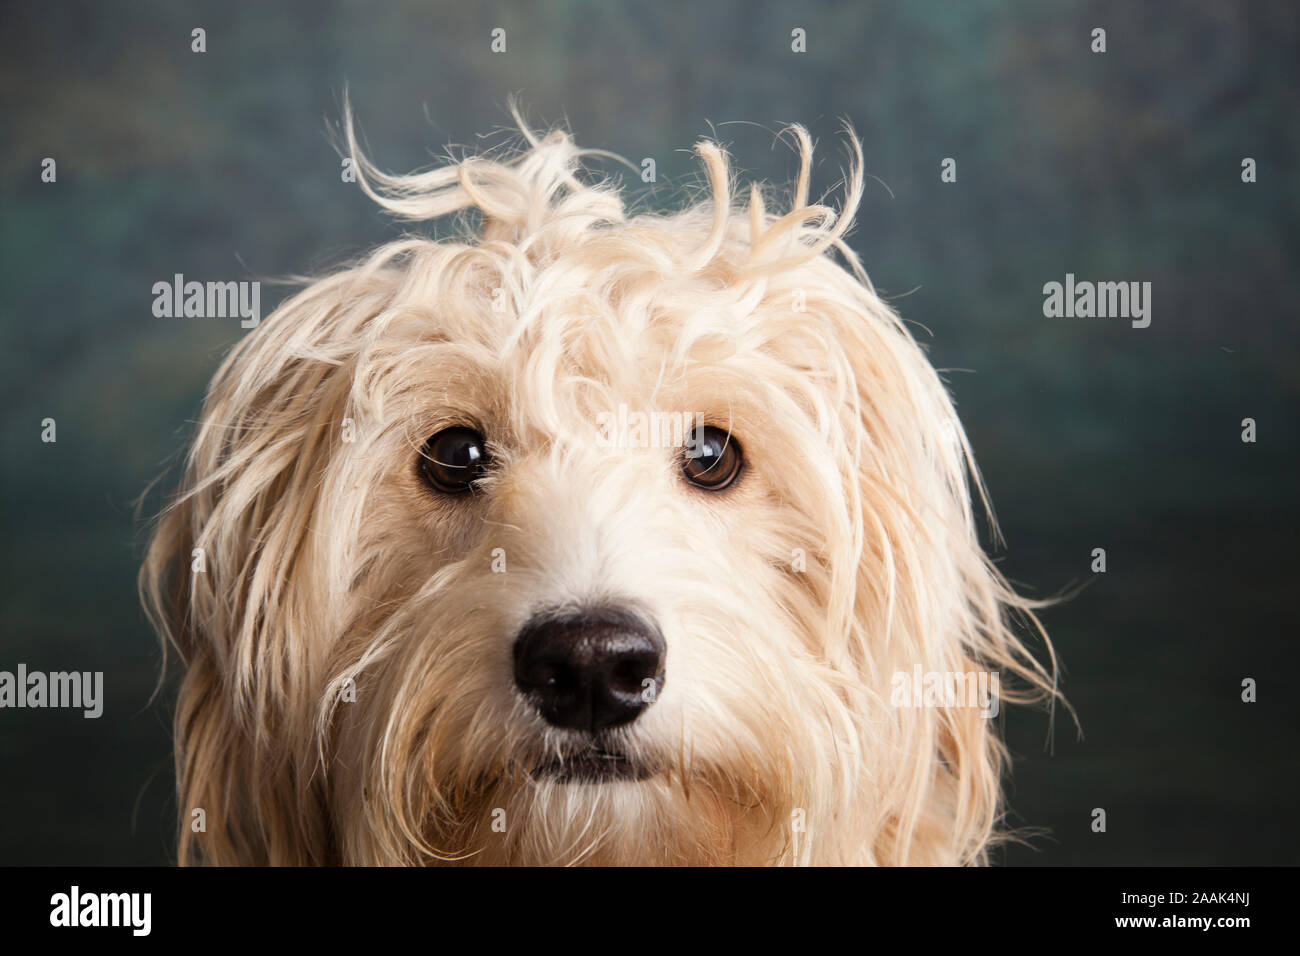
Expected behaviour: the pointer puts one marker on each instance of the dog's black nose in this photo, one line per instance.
(590, 669)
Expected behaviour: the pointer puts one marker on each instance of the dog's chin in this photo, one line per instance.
(594, 766)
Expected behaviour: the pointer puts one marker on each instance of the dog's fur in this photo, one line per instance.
(846, 553)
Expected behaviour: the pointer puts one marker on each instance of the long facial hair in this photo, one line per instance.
(345, 692)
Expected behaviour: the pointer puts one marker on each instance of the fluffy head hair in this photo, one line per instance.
(347, 693)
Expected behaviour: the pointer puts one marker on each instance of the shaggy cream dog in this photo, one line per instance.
(585, 537)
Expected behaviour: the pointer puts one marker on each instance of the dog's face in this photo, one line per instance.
(590, 539)
(601, 536)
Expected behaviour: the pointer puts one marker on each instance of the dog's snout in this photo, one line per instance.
(590, 669)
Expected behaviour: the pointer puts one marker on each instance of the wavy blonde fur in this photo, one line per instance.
(331, 571)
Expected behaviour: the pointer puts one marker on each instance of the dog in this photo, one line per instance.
(586, 536)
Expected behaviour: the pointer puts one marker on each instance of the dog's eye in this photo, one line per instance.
(713, 459)
(452, 460)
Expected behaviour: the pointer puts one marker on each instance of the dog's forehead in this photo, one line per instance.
(695, 357)
(547, 345)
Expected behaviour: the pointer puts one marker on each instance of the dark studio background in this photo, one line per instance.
(1117, 166)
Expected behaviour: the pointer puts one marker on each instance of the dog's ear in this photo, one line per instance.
(229, 575)
(929, 599)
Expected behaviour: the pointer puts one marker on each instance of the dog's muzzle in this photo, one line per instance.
(590, 669)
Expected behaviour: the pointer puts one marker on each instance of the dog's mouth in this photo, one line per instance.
(593, 766)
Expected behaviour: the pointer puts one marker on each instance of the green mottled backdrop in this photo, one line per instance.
(1124, 166)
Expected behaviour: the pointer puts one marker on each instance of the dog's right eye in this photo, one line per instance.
(452, 460)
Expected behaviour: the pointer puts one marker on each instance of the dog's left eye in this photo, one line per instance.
(713, 459)
(452, 460)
